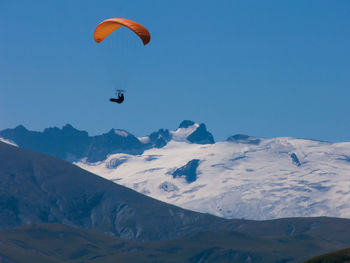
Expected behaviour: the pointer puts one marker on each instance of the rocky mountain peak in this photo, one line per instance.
(186, 123)
(201, 135)
(20, 128)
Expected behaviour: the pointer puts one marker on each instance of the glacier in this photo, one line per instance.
(243, 177)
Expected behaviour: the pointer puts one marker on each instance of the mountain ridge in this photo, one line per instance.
(73, 145)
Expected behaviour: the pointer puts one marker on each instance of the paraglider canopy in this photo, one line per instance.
(106, 27)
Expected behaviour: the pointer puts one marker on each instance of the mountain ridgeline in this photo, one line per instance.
(72, 145)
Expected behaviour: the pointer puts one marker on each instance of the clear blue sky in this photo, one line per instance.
(263, 68)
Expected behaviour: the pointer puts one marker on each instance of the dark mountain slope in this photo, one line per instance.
(39, 188)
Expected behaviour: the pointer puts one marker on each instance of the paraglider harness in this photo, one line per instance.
(120, 98)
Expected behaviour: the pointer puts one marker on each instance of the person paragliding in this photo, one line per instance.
(120, 95)
(107, 27)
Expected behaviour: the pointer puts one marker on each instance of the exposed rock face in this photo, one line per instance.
(160, 138)
(295, 159)
(168, 187)
(115, 141)
(201, 136)
(38, 188)
(242, 138)
(189, 171)
(186, 123)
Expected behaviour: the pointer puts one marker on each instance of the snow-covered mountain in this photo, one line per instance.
(243, 177)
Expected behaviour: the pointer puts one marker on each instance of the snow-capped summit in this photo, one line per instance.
(181, 134)
(192, 132)
(188, 131)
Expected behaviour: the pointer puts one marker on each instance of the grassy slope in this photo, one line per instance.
(59, 243)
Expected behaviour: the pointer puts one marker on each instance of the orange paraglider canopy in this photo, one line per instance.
(106, 27)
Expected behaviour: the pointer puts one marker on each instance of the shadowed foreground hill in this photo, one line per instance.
(38, 188)
(341, 256)
(54, 242)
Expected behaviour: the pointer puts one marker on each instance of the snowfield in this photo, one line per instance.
(271, 178)
(8, 142)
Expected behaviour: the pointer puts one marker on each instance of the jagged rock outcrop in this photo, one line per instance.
(159, 138)
(115, 141)
(189, 171)
(201, 136)
(186, 124)
(242, 138)
(295, 159)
